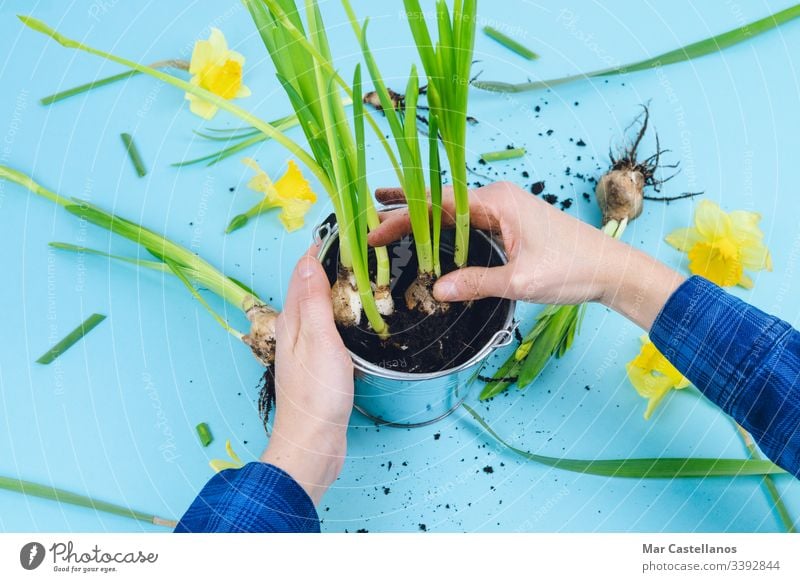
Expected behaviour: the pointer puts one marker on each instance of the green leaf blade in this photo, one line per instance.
(71, 339)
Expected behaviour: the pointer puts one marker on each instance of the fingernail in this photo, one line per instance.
(306, 268)
(444, 290)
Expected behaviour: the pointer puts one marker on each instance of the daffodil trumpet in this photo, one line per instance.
(170, 258)
(721, 245)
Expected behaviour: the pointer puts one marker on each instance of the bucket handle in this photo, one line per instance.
(504, 337)
(324, 229)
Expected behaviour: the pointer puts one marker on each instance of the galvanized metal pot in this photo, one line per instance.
(395, 398)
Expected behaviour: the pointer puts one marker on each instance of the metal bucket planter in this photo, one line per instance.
(395, 398)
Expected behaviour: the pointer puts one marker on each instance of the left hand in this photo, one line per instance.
(313, 384)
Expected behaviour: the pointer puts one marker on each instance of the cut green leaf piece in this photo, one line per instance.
(686, 53)
(62, 496)
(86, 87)
(649, 468)
(204, 434)
(510, 43)
(506, 154)
(133, 152)
(71, 339)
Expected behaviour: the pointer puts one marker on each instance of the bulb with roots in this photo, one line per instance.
(261, 338)
(383, 299)
(346, 300)
(419, 296)
(620, 192)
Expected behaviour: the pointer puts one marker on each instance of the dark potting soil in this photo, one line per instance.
(419, 343)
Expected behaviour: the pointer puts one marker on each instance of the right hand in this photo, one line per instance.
(552, 257)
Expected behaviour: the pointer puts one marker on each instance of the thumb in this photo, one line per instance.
(472, 283)
(308, 300)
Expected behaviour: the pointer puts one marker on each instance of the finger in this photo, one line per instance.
(394, 225)
(390, 195)
(308, 300)
(483, 209)
(473, 283)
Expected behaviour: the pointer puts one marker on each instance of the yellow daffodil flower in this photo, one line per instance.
(291, 193)
(218, 69)
(653, 376)
(722, 245)
(221, 464)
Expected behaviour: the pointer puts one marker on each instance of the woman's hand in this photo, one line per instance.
(313, 383)
(552, 257)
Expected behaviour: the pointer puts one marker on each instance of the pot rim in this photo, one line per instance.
(328, 231)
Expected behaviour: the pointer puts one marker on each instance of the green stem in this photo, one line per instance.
(692, 51)
(458, 168)
(60, 96)
(301, 40)
(769, 484)
(191, 264)
(183, 275)
(434, 167)
(62, 496)
(649, 468)
(383, 271)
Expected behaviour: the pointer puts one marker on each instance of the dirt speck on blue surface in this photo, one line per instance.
(386, 491)
(488, 469)
(437, 436)
(423, 527)
(550, 198)
(537, 187)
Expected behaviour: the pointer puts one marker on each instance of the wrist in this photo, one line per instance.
(637, 285)
(313, 458)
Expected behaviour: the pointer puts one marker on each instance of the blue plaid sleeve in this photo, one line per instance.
(744, 360)
(256, 498)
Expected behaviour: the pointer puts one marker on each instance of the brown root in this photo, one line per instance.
(620, 195)
(346, 300)
(419, 296)
(266, 395)
(261, 338)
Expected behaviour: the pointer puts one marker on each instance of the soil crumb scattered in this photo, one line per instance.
(537, 187)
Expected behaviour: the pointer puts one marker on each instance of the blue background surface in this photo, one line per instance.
(114, 417)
